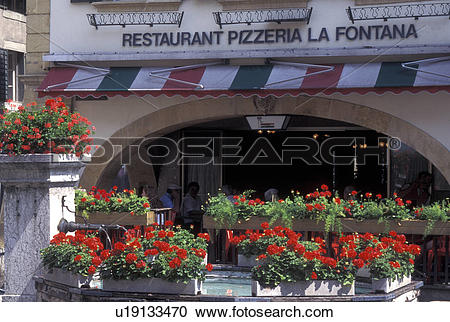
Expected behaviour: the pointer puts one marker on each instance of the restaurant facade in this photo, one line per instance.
(253, 94)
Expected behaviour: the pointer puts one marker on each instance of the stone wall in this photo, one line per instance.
(38, 44)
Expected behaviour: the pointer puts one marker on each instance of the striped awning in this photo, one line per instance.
(263, 80)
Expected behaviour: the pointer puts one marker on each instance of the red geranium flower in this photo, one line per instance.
(358, 263)
(146, 205)
(209, 267)
(265, 225)
(131, 258)
(119, 246)
(324, 187)
(104, 254)
(151, 252)
(313, 275)
(96, 261)
(140, 264)
(182, 253)
(261, 257)
(162, 234)
(77, 258)
(354, 192)
(91, 270)
(169, 223)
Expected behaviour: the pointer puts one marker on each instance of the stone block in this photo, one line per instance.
(38, 43)
(33, 188)
(38, 24)
(38, 7)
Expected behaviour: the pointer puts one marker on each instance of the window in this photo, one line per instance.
(15, 67)
(3, 75)
(14, 5)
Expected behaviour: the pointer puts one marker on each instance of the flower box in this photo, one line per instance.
(62, 276)
(153, 285)
(304, 288)
(348, 225)
(363, 272)
(244, 261)
(387, 285)
(119, 218)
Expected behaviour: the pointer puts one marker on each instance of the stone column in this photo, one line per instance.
(33, 188)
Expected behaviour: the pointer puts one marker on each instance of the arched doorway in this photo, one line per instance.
(191, 113)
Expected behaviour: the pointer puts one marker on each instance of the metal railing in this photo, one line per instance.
(415, 11)
(135, 18)
(262, 15)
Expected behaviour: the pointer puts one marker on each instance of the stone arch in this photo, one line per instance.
(187, 114)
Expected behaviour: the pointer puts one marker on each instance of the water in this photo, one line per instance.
(228, 286)
(234, 283)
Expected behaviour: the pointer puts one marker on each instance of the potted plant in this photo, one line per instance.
(297, 268)
(162, 260)
(72, 260)
(50, 129)
(323, 211)
(253, 243)
(394, 267)
(124, 208)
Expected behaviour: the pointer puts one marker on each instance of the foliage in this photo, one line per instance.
(322, 205)
(438, 211)
(290, 259)
(52, 128)
(77, 254)
(255, 243)
(172, 255)
(99, 200)
(386, 257)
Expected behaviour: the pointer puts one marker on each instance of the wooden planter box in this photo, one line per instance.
(62, 276)
(119, 218)
(348, 225)
(304, 288)
(153, 285)
(244, 261)
(387, 285)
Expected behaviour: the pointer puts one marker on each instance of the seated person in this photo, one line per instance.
(191, 211)
(271, 195)
(171, 199)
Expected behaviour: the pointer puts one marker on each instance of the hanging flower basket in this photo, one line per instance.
(304, 288)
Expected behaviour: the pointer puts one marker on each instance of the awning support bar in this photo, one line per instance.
(103, 72)
(428, 60)
(181, 68)
(292, 64)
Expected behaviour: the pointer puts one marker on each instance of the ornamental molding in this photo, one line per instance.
(137, 6)
(264, 105)
(370, 2)
(261, 4)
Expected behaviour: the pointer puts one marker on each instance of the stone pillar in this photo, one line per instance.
(33, 187)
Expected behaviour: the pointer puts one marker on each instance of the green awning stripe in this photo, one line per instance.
(251, 77)
(119, 79)
(394, 75)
